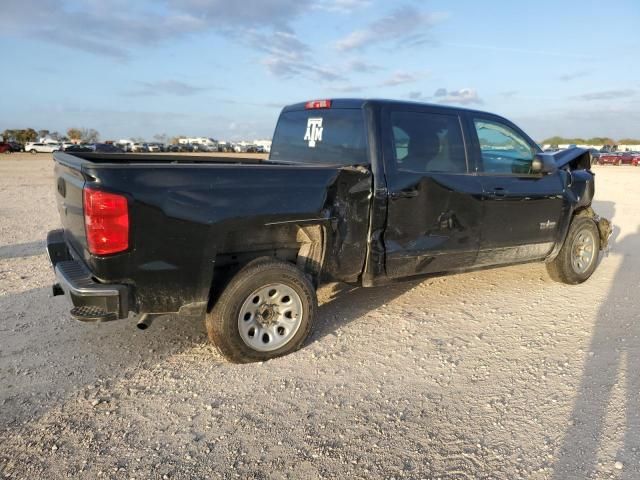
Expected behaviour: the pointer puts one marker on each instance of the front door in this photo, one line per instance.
(434, 201)
(521, 209)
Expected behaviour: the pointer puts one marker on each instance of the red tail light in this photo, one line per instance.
(106, 220)
(318, 104)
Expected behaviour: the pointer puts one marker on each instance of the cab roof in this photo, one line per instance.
(359, 103)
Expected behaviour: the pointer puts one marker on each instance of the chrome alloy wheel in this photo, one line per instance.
(270, 317)
(583, 251)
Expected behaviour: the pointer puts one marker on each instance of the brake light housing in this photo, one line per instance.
(315, 104)
(106, 221)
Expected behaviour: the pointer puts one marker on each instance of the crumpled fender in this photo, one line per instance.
(576, 158)
(605, 229)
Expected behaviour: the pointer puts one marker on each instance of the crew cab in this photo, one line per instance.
(366, 192)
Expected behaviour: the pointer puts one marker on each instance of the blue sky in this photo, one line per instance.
(224, 69)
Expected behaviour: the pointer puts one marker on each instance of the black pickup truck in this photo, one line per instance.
(366, 192)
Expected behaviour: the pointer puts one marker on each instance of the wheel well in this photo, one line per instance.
(302, 246)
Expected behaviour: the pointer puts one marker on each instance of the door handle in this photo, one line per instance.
(499, 192)
(403, 194)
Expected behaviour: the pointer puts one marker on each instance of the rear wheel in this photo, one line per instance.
(33, 151)
(266, 311)
(578, 256)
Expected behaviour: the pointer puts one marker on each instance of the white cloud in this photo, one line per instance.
(464, 96)
(400, 78)
(342, 6)
(607, 95)
(167, 87)
(406, 24)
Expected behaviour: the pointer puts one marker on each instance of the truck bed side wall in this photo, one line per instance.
(185, 217)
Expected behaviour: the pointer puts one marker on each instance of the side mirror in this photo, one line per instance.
(543, 163)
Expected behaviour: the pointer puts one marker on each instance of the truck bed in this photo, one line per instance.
(189, 214)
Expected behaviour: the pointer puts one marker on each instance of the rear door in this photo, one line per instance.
(521, 209)
(434, 200)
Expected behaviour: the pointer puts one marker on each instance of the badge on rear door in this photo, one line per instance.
(548, 225)
(314, 131)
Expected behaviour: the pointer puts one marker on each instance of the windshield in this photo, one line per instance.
(333, 136)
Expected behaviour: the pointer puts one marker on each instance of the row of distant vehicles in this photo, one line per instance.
(619, 158)
(191, 147)
(607, 156)
(50, 147)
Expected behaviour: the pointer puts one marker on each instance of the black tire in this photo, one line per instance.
(33, 151)
(222, 322)
(562, 268)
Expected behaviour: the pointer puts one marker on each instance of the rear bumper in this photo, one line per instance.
(92, 301)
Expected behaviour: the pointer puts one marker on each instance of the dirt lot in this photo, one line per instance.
(496, 374)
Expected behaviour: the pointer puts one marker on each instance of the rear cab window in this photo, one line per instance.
(334, 136)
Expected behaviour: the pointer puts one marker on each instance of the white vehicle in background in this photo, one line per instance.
(210, 143)
(153, 147)
(139, 147)
(39, 147)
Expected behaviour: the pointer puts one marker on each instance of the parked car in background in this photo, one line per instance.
(595, 155)
(77, 147)
(5, 147)
(153, 147)
(613, 158)
(95, 147)
(106, 148)
(39, 147)
(200, 147)
(225, 148)
(16, 146)
(608, 148)
(140, 147)
(635, 159)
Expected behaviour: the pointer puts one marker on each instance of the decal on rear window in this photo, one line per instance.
(314, 131)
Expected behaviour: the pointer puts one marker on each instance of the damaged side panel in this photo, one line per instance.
(188, 218)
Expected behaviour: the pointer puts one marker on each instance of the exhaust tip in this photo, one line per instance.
(144, 322)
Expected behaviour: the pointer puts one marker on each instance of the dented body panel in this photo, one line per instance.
(193, 220)
(185, 218)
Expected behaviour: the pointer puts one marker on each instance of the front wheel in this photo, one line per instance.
(266, 311)
(578, 256)
(33, 151)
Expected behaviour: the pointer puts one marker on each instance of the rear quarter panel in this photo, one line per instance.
(184, 216)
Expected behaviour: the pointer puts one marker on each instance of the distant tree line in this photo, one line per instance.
(557, 140)
(78, 135)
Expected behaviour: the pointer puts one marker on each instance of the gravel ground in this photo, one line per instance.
(495, 374)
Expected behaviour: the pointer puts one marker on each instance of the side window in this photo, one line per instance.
(428, 142)
(503, 150)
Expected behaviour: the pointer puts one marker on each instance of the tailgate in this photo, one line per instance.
(69, 183)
